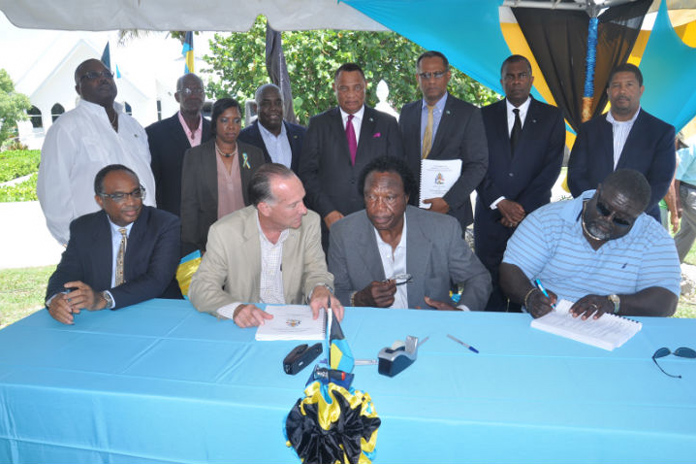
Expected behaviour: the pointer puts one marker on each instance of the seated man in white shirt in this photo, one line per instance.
(268, 252)
(372, 250)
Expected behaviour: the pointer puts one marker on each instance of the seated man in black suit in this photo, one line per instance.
(170, 138)
(119, 256)
(389, 238)
(281, 141)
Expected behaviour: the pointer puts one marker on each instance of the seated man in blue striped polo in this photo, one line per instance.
(600, 251)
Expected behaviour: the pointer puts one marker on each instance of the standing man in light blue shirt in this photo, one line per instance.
(456, 132)
(280, 140)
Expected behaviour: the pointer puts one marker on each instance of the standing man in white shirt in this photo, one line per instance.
(81, 142)
(281, 141)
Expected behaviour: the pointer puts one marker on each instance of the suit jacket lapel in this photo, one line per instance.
(417, 260)
(367, 129)
(179, 135)
(339, 134)
(446, 121)
(606, 158)
(634, 137)
(369, 253)
(102, 255)
(250, 252)
(209, 168)
(136, 236)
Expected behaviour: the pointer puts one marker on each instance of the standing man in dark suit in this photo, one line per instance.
(281, 141)
(525, 153)
(626, 137)
(119, 256)
(370, 248)
(456, 132)
(339, 144)
(170, 138)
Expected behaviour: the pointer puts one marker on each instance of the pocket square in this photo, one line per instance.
(377, 135)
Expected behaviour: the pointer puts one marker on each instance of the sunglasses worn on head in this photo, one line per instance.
(682, 352)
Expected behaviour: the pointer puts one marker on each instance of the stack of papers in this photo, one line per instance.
(607, 332)
(292, 322)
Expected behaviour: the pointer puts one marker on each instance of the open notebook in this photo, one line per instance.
(607, 332)
(292, 322)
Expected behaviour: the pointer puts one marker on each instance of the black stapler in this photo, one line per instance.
(300, 357)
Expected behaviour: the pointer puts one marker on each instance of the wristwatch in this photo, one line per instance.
(107, 298)
(616, 301)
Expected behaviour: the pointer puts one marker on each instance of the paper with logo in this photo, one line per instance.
(437, 177)
(292, 322)
(607, 332)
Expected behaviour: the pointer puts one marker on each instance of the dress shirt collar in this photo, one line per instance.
(115, 228)
(610, 118)
(266, 133)
(358, 115)
(194, 137)
(524, 107)
(283, 235)
(99, 110)
(439, 106)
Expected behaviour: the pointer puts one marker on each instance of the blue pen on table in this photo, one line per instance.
(471, 348)
(543, 290)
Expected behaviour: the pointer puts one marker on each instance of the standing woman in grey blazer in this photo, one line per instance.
(215, 176)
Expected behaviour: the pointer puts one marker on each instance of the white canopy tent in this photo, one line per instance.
(183, 15)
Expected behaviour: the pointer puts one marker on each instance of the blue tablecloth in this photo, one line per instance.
(160, 382)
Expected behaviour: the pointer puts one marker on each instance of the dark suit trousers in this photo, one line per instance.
(490, 241)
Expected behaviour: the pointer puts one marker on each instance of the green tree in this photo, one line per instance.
(13, 106)
(238, 63)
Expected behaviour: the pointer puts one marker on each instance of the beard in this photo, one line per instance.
(595, 231)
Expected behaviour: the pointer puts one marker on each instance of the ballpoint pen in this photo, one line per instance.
(471, 348)
(543, 290)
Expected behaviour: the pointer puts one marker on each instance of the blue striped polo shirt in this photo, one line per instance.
(549, 245)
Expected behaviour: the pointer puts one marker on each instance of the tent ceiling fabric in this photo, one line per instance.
(183, 15)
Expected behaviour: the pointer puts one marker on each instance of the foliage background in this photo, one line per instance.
(238, 62)
(13, 107)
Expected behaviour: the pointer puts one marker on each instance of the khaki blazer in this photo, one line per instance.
(230, 271)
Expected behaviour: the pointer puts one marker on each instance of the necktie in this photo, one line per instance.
(352, 141)
(428, 135)
(516, 129)
(120, 258)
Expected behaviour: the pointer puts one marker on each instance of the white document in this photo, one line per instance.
(437, 177)
(292, 322)
(607, 332)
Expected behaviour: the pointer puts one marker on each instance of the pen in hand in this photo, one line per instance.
(543, 290)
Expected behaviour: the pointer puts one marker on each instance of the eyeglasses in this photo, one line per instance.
(400, 279)
(429, 75)
(682, 352)
(92, 75)
(138, 194)
(604, 211)
(521, 76)
(188, 92)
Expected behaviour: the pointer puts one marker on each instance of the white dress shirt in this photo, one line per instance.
(394, 263)
(278, 147)
(77, 146)
(620, 130)
(357, 121)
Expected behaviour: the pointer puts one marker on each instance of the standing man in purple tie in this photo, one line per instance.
(339, 143)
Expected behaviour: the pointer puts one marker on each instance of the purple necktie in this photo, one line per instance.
(350, 136)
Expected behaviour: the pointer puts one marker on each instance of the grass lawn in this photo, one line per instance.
(22, 292)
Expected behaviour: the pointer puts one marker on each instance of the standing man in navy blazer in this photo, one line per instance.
(627, 137)
(88, 276)
(523, 165)
(457, 133)
(328, 168)
(170, 138)
(281, 141)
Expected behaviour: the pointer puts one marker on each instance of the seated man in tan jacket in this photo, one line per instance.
(269, 252)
